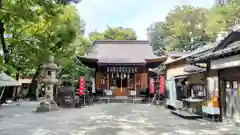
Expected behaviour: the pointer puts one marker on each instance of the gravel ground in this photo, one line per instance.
(104, 119)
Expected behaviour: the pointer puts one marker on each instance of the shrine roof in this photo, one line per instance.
(200, 50)
(126, 51)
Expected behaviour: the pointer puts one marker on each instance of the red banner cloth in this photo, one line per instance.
(161, 84)
(151, 89)
(81, 85)
(105, 84)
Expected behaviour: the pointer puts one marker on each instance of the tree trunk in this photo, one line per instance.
(4, 46)
(5, 50)
(33, 86)
(15, 91)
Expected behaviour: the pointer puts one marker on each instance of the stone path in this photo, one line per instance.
(104, 119)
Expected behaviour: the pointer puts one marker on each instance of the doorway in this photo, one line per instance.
(232, 100)
(121, 85)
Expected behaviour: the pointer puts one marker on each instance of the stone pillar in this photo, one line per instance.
(50, 72)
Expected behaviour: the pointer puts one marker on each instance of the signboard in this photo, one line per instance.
(161, 84)
(133, 93)
(81, 85)
(232, 61)
(108, 92)
(151, 89)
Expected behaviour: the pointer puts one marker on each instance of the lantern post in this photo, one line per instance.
(49, 80)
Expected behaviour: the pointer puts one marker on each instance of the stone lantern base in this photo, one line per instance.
(47, 106)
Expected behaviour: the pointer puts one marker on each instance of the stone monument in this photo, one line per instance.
(49, 80)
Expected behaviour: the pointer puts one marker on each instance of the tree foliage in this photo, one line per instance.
(186, 28)
(223, 17)
(96, 36)
(158, 33)
(182, 30)
(117, 33)
(38, 28)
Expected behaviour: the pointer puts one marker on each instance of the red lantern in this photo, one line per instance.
(151, 89)
(81, 85)
(161, 84)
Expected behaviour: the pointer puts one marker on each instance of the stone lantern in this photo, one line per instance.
(49, 80)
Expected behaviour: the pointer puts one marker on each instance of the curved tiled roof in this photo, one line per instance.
(126, 51)
(196, 52)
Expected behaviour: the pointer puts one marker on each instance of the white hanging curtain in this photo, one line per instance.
(93, 85)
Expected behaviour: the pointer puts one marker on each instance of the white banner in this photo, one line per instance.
(93, 85)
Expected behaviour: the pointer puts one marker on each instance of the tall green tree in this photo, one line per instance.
(37, 29)
(223, 17)
(116, 33)
(96, 36)
(157, 33)
(182, 30)
(187, 27)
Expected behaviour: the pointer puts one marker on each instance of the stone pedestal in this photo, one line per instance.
(50, 73)
(47, 106)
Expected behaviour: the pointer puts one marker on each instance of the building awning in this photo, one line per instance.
(25, 80)
(6, 81)
(181, 76)
(193, 68)
(227, 62)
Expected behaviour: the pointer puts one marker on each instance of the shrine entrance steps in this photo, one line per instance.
(120, 99)
(185, 114)
(125, 99)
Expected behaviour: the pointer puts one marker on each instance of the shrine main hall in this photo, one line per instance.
(121, 66)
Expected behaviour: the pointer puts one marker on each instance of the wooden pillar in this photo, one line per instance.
(144, 79)
(222, 96)
(95, 80)
(135, 81)
(108, 81)
(239, 99)
(206, 81)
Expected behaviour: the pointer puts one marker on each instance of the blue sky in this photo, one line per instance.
(136, 14)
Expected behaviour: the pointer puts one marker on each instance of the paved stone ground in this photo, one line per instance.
(104, 119)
